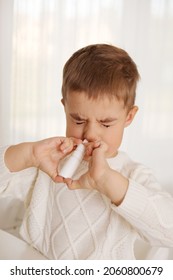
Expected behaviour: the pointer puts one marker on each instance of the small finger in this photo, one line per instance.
(103, 146)
(72, 185)
(69, 144)
(58, 179)
(91, 146)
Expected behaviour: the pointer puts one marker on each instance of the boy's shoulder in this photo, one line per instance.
(121, 160)
(123, 163)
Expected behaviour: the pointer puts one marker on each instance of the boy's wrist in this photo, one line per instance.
(114, 186)
(30, 160)
(19, 157)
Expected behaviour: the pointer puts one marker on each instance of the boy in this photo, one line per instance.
(111, 201)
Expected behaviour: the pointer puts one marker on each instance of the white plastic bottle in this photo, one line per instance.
(71, 165)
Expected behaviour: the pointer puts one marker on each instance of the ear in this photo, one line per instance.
(130, 116)
(62, 101)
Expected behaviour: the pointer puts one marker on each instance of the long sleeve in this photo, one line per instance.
(14, 187)
(84, 224)
(5, 174)
(147, 208)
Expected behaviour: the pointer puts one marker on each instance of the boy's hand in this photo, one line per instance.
(98, 167)
(100, 176)
(44, 154)
(47, 154)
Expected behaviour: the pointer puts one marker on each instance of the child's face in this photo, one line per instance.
(102, 119)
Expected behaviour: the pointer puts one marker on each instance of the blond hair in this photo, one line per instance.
(99, 70)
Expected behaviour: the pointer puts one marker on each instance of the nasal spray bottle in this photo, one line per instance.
(71, 165)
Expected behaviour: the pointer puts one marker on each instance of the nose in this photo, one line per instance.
(91, 133)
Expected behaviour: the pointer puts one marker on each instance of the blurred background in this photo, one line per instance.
(38, 36)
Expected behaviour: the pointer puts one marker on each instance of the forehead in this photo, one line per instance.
(86, 107)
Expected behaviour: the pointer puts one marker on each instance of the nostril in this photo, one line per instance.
(90, 134)
(91, 139)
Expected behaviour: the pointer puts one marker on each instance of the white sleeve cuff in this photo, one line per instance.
(134, 202)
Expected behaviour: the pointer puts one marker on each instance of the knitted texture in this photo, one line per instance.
(84, 224)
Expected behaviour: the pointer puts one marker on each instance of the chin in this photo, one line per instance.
(112, 154)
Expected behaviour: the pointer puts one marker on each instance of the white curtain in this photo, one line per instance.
(6, 17)
(38, 36)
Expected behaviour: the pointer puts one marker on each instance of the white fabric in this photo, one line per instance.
(83, 224)
(37, 37)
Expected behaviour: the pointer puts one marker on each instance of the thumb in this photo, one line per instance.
(98, 155)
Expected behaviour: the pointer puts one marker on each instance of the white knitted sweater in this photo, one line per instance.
(84, 224)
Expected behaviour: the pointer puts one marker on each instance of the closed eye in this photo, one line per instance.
(106, 125)
(78, 123)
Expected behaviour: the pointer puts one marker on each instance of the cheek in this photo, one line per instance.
(113, 139)
(117, 138)
(73, 131)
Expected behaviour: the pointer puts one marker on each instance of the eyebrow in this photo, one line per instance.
(108, 120)
(79, 118)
